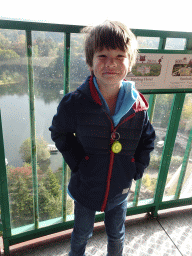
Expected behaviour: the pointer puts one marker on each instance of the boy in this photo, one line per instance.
(103, 132)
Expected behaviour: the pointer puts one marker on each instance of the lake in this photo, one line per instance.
(16, 125)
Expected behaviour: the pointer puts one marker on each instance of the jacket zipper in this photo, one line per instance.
(112, 156)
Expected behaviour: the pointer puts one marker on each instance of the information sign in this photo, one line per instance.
(162, 71)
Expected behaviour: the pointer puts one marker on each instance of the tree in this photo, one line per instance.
(146, 180)
(4, 42)
(50, 201)
(19, 46)
(21, 195)
(8, 54)
(52, 184)
(42, 150)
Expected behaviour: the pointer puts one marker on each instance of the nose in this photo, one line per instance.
(110, 62)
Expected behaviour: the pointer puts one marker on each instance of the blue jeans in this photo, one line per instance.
(83, 229)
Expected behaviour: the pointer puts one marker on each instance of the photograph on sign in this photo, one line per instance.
(162, 71)
(179, 71)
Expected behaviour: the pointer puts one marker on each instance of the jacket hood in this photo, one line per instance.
(89, 89)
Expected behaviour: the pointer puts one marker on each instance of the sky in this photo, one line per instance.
(137, 14)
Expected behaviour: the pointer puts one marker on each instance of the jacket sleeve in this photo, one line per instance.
(145, 146)
(63, 133)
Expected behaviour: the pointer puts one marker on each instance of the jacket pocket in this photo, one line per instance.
(124, 169)
(94, 168)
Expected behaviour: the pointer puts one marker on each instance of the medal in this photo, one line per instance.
(116, 147)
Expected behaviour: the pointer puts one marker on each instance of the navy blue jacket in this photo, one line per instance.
(84, 133)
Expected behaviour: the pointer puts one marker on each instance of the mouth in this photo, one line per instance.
(110, 73)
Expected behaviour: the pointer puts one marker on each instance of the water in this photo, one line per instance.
(16, 125)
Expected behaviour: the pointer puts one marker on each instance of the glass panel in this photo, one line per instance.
(78, 68)
(160, 123)
(179, 150)
(78, 73)
(148, 42)
(14, 103)
(48, 64)
(175, 44)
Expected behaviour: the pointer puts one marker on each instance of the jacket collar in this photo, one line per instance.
(89, 89)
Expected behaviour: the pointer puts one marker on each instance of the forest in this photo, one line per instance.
(48, 57)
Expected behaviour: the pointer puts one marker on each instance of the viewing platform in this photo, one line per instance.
(168, 235)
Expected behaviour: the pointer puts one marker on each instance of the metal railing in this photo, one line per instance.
(152, 205)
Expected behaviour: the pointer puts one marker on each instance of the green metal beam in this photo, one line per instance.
(137, 192)
(66, 90)
(4, 194)
(175, 203)
(165, 91)
(162, 43)
(161, 33)
(153, 51)
(152, 101)
(32, 125)
(35, 26)
(67, 63)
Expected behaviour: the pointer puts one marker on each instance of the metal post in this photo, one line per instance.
(152, 102)
(137, 192)
(66, 90)
(4, 195)
(162, 43)
(33, 133)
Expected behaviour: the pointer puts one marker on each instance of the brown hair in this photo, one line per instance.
(110, 35)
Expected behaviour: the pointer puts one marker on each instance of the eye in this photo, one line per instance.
(102, 56)
(121, 56)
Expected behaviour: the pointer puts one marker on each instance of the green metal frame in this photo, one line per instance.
(32, 125)
(153, 205)
(66, 90)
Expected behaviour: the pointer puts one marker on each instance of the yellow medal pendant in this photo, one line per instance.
(116, 147)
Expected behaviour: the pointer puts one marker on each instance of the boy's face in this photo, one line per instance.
(110, 66)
